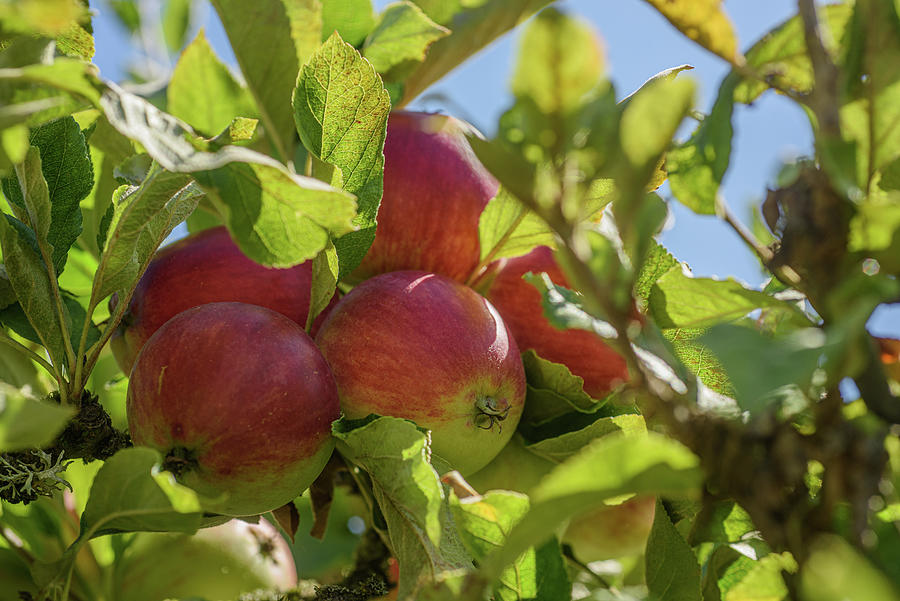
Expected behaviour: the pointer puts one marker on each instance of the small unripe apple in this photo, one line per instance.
(239, 401)
(520, 304)
(206, 267)
(217, 563)
(607, 532)
(434, 192)
(423, 347)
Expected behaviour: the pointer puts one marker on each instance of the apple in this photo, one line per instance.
(204, 268)
(424, 347)
(434, 192)
(216, 563)
(607, 532)
(239, 401)
(612, 531)
(520, 304)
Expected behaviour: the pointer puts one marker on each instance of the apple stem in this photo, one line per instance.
(490, 411)
(179, 460)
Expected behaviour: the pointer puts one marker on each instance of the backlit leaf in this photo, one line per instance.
(703, 21)
(403, 33)
(203, 92)
(395, 454)
(560, 61)
(506, 228)
(340, 111)
(271, 40)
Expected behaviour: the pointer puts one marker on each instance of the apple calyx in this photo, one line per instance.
(179, 461)
(490, 411)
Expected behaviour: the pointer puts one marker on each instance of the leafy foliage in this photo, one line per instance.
(769, 484)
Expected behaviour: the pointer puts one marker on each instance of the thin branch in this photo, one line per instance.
(823, 99)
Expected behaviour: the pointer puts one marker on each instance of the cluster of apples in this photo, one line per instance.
(228, 385)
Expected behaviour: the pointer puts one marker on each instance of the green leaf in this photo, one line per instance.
(745, 354)
(679, 301)
(560, 61)
(403, 33)
(721, 522)
(132, 494)
(483, 523)
(128, 14)
(559, 448)
(871, 109)
(351, 19)
(324, 282)
(657, 263)
(66, 166)
(696, 168)
(506, 228)
(633, 464)
(108, 149)
(271, 40)
(703, 21)
(26, 422)
(471, 30)
(672, 570)
(835, 571)
(277, 218)
(698, 359)
(781, 55)
(31, 282)
(648, 123)
(340, 110)
(553, 390)
(563, 308)
(203, 92)
(36, 199)
(175, 22)
(395, 455)
(67, 74)
(763, 580)
(142, 219)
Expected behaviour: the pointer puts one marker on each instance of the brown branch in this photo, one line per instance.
(824, 97)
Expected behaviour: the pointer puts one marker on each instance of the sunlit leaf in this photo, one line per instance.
(340, 111)
(203, 92)
(403, 33)
(703, 21)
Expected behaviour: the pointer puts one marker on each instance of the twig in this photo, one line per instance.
(823, 99)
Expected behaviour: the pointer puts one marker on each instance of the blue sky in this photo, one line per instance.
(638, 43)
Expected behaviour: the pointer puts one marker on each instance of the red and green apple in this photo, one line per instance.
(239, 401)
(423, 347)
(206, 267)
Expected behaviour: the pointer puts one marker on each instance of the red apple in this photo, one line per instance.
(205, 268)
(239, 401)
(584, 353)
(423, 347)
(215, 563)
(434, 192)
(606, 532)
